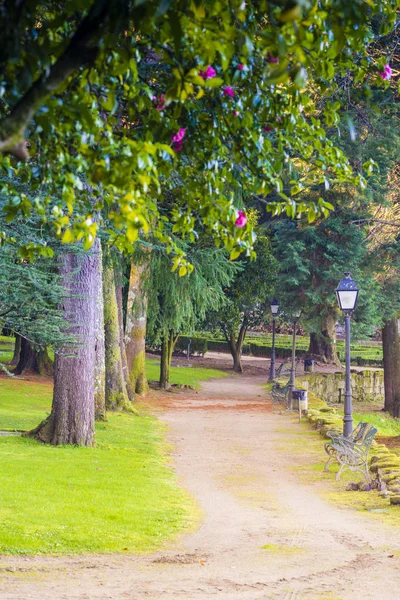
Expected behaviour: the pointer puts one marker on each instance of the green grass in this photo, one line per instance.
(120, 496)
(182, 375)
(385, 424)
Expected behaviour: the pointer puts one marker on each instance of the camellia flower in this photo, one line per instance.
(177, 139)
(240, 67)
(241, 219)
(159, 102)
(272, 59)
(386, 73)
(228, 91)
(209, 73)
(267, 128)
(235, 113)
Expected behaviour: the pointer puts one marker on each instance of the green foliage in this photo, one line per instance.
(179, 303)
(82, 80)
(121, 494)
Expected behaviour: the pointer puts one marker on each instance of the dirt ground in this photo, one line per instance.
(265, 532)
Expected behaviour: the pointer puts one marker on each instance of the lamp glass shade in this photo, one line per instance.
(274, 307)
(347, 293)
(297, 314)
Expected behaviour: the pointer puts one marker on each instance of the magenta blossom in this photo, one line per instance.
(386, 73)
(228, 91)
(235, 113)
(240, 67)
(178, 137)
(267, 128)
(272, 59)
(241, 219)
(177, 146)
(159, 102)
(209, 73)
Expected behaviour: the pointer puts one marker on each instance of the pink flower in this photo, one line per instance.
(160, 102)
(241, 219)
(267, 128)
(209, 73)
(178, 137)
(386, 73)
(272, 59)
(228, 91)
(240, 67)
(235, 113)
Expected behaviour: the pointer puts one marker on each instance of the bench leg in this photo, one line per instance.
(338, 474)
(330, 460)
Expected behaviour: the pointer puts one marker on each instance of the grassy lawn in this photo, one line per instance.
(120, 496)
(182, 375)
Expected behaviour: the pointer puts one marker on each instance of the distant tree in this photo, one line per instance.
(246, 298)
(177, 304)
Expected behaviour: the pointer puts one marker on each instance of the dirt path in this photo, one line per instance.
(265, 534)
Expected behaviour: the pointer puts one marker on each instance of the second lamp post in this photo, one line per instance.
(296, 317)
(347, 293)
(274, 311)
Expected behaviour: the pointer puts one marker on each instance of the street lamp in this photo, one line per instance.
(296, 317)
(274, 311)
(347, 294)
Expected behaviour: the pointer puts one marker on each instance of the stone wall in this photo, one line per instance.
(366, 385)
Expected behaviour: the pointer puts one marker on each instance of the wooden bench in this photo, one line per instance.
(350, 452)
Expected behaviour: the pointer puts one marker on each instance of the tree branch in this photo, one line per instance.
(81, 51)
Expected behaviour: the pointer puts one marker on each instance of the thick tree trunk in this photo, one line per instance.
(100, 360)
(116, 392)
(135, 330)
(33, 360)
(17, 349)
(323, 343)
(391, 363)
(72, 416)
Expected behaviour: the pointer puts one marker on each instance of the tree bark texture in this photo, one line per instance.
(391, 364)
(116, 392)
(72, 416)
(323, 343)
(100, 360)
(135, 330)
(17, 349)
(33, 360)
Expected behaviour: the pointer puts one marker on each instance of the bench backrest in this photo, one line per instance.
(363, 434)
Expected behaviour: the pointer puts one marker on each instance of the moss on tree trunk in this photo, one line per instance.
(391, 365)
(116, 392)
(322, 345)
(33, 360)
(135, 330)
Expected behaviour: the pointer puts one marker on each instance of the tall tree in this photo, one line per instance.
(71, 420)
(135, 329)
(246, 298)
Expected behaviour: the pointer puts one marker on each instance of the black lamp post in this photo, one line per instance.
(274, 311)
(296, 317)
(347, 294)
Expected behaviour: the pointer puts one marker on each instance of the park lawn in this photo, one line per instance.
(182, 375)
(120, 496)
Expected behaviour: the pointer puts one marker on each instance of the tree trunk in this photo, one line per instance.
(100, 360)
(323, 343)
(125, 370)
(165, 365)
(135, 331)
(116, 392)
(17, 350)
(33, 360)
(391, 363)
(72, 416)
(236, 346)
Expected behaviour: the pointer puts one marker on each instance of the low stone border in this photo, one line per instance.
(385, 464)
